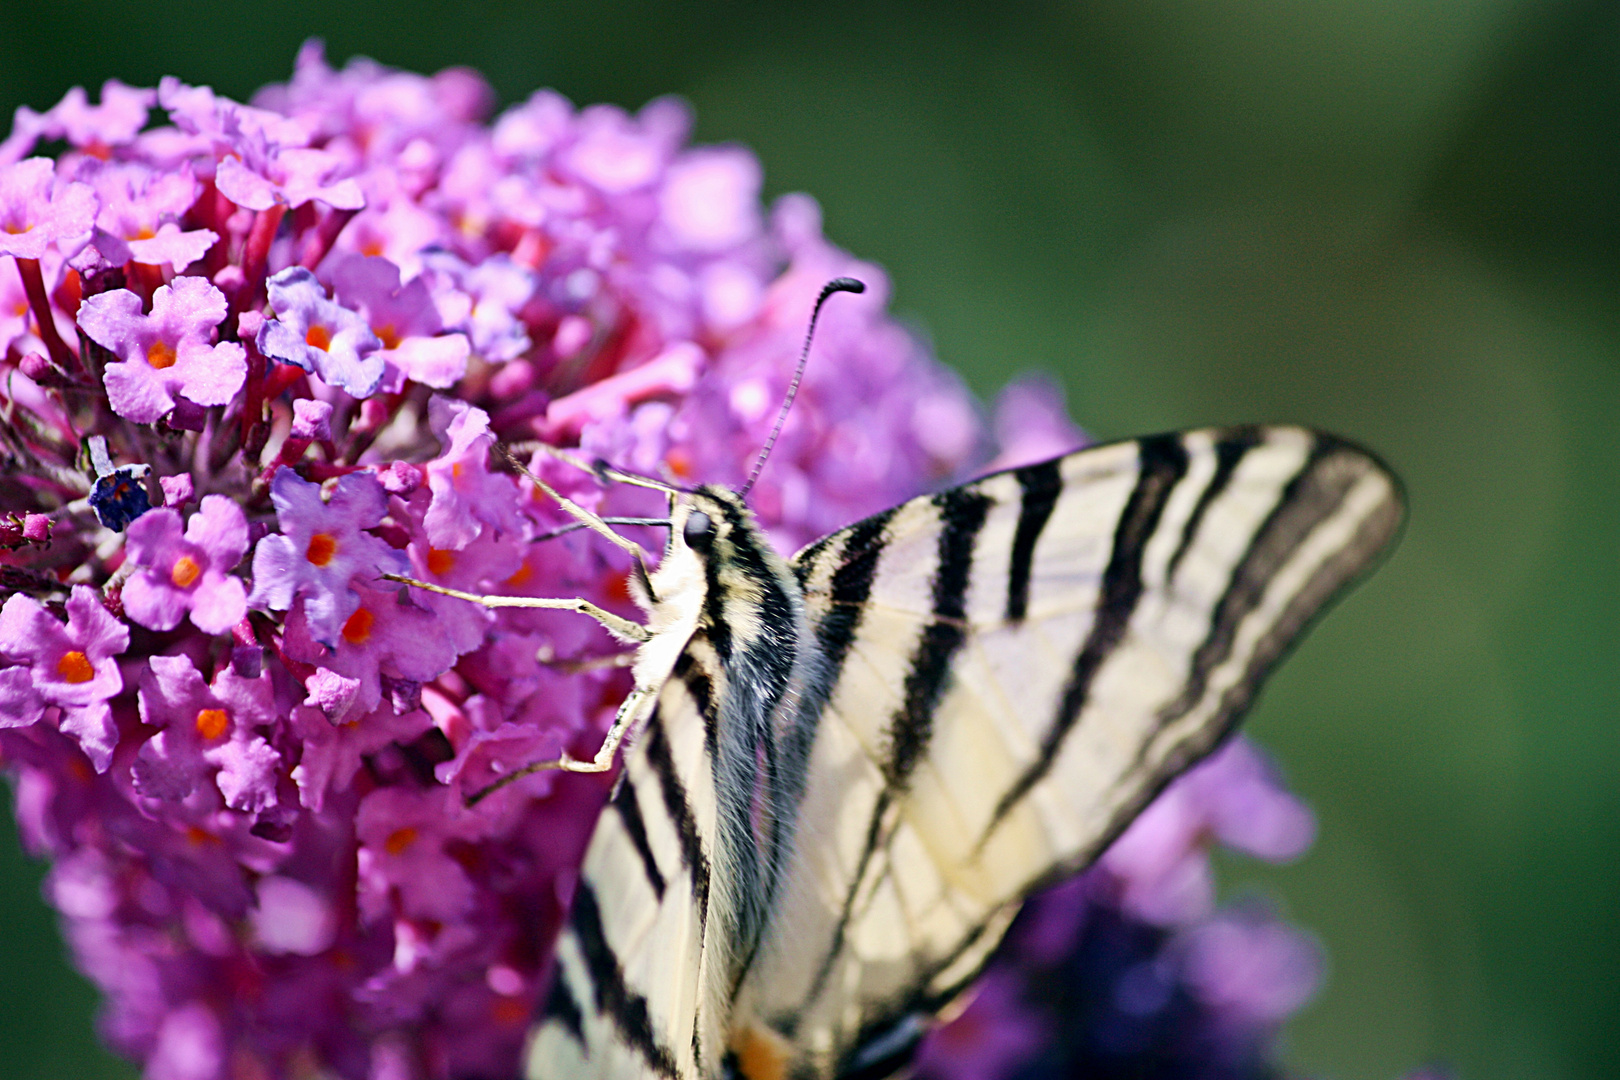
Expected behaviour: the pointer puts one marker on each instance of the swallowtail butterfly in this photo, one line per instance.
(850, 767)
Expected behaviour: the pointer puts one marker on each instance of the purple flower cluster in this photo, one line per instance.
(253, 356)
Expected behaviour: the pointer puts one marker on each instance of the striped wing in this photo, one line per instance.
(624, 1001)
(1019, 665)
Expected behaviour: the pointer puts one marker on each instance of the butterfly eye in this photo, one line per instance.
(698, 532)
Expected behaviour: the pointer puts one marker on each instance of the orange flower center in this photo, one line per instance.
(357, 629)
(388, 335)
(200, 836)
(322, 546)
(212, 723)
(399, 840)
(679, 462)
(318, 337)
(440, 562)
(75, 667)
(160, 354)
(143, 233)
(521, 575)
(184, 572)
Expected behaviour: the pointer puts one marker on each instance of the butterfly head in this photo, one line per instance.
(711, 524)
(720, 558)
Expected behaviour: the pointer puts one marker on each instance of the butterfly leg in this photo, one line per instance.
(617, 625)
(629, 711)
(577, 512)
(545, 655)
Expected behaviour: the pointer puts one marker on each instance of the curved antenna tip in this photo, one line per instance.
(837, 284)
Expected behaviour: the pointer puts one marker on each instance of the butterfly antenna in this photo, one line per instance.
(842, 284)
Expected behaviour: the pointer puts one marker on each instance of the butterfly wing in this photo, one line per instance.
(1017, 667)
(625, 995)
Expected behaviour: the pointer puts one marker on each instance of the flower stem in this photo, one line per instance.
(255, 254)
(34, 285)
(318, 241)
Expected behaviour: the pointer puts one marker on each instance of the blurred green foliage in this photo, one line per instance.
(1398, 220)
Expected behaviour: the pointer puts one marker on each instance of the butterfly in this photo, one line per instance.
(850, 767)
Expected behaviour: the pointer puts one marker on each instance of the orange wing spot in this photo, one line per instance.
(387, 335)
(160, 354)
(761, 1053)
(440, 562)
(399, 840)
(75, 667)
(322, 546)
(318, 337)
(212, 723)
(184, 571)
(357, 630)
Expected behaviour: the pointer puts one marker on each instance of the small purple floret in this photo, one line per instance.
(322, 547)
(320, 335)
(188, 574)
(70, 666)
(167, 354)
(140, 211)
(206, 731)
(39, 212)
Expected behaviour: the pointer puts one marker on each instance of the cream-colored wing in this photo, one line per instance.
(1018, 666)
(624, 1002)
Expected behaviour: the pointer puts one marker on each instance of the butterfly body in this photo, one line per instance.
(853, 766)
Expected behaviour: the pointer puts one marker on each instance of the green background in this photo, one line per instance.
(1399, 219)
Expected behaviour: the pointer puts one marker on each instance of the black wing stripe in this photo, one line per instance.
(679, 809)
(700, 685)
(614, 999)
(629, 810)
(1311, 497)
(962, 512)
(851, 586)
(561, 1007)
(1040, 484)
(1308, 603)
(1162, 464)
(1229, 451)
